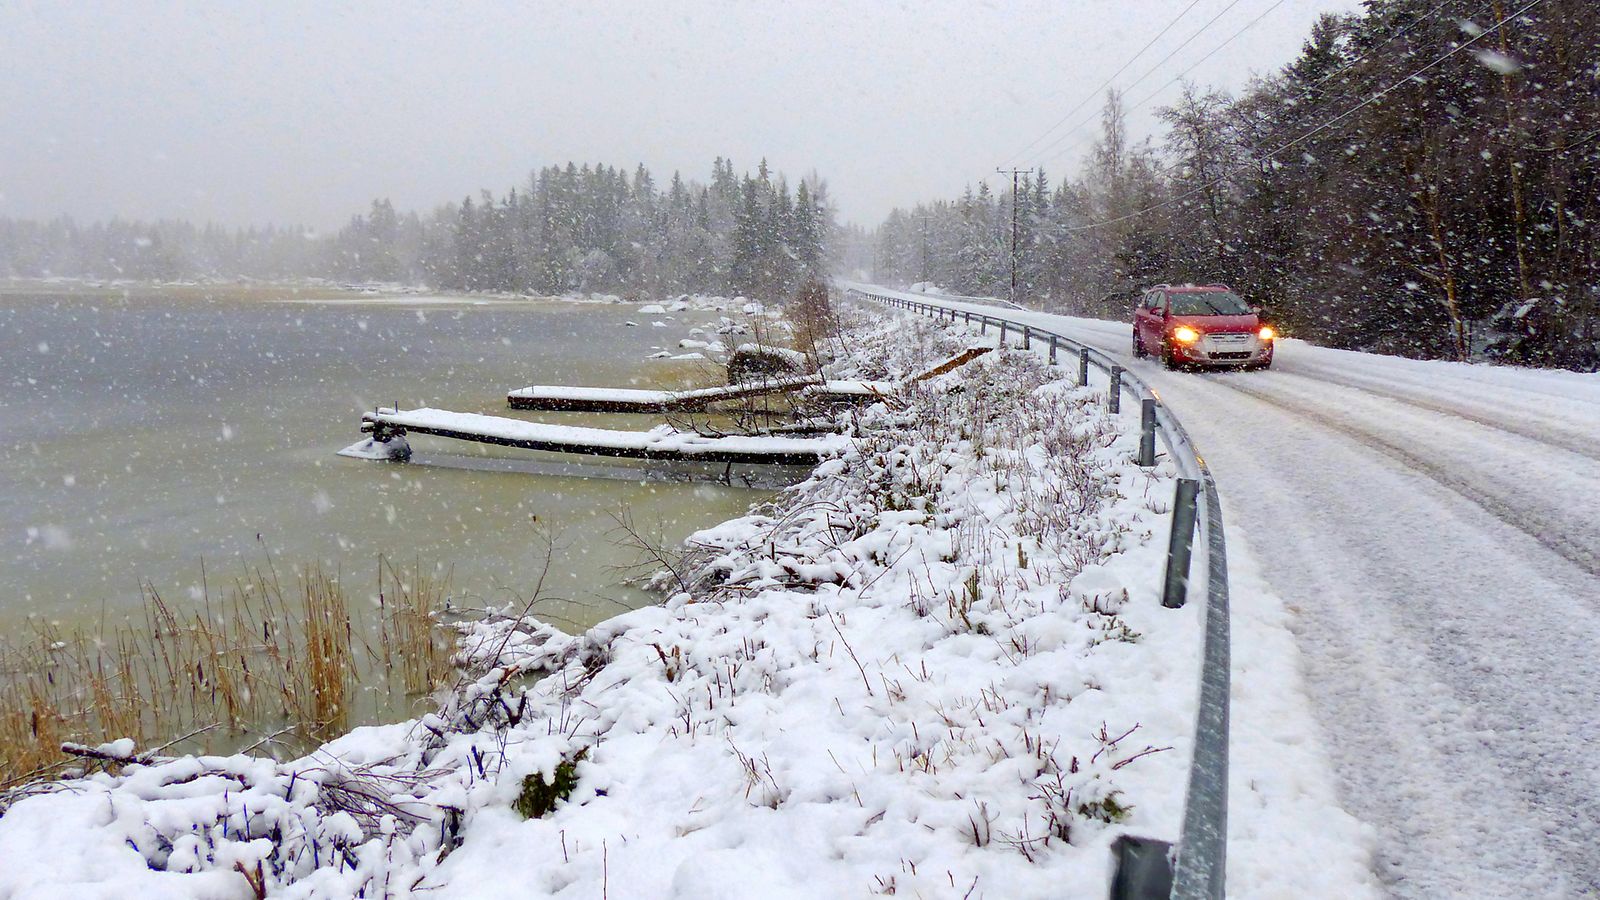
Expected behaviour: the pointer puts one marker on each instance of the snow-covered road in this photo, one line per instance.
(1434, 530)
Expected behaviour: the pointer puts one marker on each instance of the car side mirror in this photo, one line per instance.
(1159, 313)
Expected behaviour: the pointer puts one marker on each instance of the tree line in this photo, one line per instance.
(1417, 181)
(568, 228)
(165, 250)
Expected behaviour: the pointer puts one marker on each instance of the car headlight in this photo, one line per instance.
(1266, 333)
(1183, 334)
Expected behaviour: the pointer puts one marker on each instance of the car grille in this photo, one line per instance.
(1229, 346)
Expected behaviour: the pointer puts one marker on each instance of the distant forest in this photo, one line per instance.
(1417, 181)
(573, 228)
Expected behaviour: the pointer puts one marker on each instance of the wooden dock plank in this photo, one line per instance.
(662, 444)
(628, 400)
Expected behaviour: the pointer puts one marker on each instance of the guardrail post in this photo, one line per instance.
(1147, 432)
(1144, 869)
(1083, 367)
(1027, 338)
(1114, 396)
(983, 324)
(1179, 547)
(1052, 349)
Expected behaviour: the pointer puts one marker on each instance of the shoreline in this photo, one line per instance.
(783, 603)
(82, 579)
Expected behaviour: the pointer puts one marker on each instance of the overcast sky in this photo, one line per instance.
(305, 111)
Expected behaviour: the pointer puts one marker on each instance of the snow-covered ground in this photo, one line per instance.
(1430, 528)
(939, 667)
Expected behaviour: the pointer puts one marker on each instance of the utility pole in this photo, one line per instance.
(1015, 225)
(923, 217)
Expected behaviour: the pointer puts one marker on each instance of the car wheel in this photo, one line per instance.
(1138, 346)
(1256, 367)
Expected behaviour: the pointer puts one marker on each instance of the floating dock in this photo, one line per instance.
(626, 400)
(553, 397)
(852, 391)
(388, 429)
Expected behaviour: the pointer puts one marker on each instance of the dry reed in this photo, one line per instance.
(265, 661)
(410, 636)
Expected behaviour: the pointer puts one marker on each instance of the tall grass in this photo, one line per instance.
(410, 638)
(267, 665)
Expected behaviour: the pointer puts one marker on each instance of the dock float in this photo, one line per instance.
(388, 429)
(627, 400)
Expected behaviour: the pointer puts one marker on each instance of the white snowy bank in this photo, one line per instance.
(938, 667)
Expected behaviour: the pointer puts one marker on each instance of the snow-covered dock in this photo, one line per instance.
(630, 400)
(627, 400)
(852, 390)
(662, 443)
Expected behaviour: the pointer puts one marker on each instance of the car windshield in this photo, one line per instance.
(1208, 303)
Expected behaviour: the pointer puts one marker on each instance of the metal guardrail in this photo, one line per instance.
(1201, 867)
(981, 301)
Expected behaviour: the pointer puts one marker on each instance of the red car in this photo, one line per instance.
(1202, 325)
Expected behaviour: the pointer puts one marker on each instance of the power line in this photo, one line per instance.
(1379, 46)
(1304, 137)
(1096, 92)
(1309, 90)
(1192, 66)
(1148, 72)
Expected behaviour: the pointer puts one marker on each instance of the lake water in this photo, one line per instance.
(148, 432)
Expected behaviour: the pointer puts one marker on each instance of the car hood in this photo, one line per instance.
(1208, 324)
